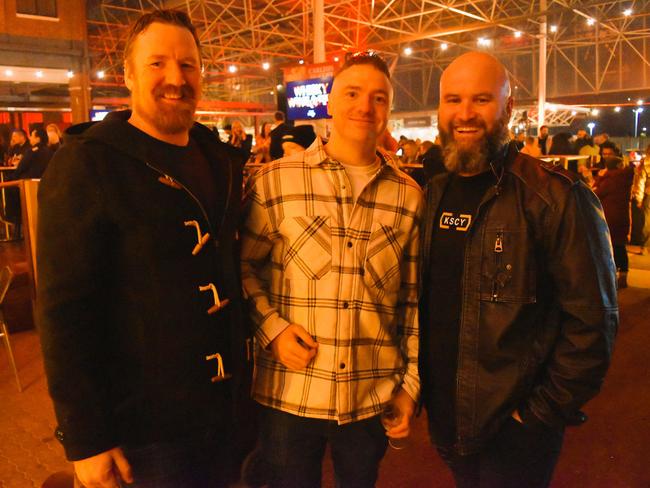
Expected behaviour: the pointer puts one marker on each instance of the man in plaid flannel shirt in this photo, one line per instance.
(329, 263)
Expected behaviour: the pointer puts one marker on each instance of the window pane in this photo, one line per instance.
(45, 8)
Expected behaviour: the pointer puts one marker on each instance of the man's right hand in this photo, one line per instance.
(294, 347)
(104, 470)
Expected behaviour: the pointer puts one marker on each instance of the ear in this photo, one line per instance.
(509, 104)
(128, 76)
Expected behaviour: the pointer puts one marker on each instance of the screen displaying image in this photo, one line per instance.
(307, 99)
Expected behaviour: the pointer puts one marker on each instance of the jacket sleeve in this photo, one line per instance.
(582, 270)
(73, 270)
(256, 241)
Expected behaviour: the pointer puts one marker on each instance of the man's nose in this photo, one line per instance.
(365, 104)
(174, 74)
(466, 110)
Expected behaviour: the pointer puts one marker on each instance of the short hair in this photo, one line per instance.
(543, 127)
(279, 116)
(610, 145)
(42, 135)
(530, 140)
(162, 16)
(364, 57)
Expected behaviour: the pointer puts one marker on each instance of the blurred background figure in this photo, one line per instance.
(297, 139)
(520, 140)
(279, 128)
(561, 144)
(613, 186)
(582, 138)
(641, 205)
(588, 148)
(531, 148)
(239, 138)
(263, 144)
(53, 136)
(18, 147)
(409, 152)
(544, 140)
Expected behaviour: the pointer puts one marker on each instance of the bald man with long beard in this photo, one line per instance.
(518, 308)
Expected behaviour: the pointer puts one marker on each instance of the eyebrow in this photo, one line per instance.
(358, 87)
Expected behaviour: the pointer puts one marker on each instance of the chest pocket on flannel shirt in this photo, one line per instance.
(308, 252)
(383, 257)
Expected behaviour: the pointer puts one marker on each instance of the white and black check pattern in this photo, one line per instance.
(345, 271)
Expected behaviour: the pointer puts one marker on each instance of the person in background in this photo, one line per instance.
(520, 140)
(279, 128)
(613, 186)
(263, 144)
(139, 297)
(589, 148)
(298, 138)
(544, 140)
(518, 307)
(641, 203)
(582, 139)
(562, 145)
(329, 264)
(409, 152)
(18, 147)
(34, 162)
(531, 148)
(53, 136)
(239, 139)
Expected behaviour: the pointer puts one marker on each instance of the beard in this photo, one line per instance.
(475, 158)
(170, 118)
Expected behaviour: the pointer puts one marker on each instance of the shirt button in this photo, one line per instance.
(346, 304)
(342, 365)
(350, 244)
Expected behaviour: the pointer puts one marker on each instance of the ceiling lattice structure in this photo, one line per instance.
(605, 59)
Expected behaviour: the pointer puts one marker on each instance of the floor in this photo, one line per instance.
(609, 451)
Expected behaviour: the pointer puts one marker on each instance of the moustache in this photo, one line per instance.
(185, 92)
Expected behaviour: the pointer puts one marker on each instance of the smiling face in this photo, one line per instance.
(475, 107)
(163, 73)
(360, 104)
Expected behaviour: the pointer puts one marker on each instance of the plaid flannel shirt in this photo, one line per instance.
(345, 272)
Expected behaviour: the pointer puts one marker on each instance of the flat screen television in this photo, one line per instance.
(307, 99)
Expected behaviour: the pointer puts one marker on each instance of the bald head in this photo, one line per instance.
(474, 111)
(477, 65)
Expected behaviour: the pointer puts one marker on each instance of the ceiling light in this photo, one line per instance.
(408, 51)
(279, 86)
(639, 102)
(266, 65)
(444, 46)
(232, 68)
(627, 12)
(554, 28)
(302, 61)
(70, 74)
(336, 59)
(574, 113)
(517, 34)
(591, 21)
(482, 41)
(100, 74)
(39, 74)
(595, 112)
(8, 72)
(617, 109)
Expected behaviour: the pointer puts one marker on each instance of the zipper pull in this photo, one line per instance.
(498, 244)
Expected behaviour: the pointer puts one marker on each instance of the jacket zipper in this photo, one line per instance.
(498, 249)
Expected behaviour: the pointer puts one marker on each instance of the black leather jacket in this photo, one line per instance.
(539, 306)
